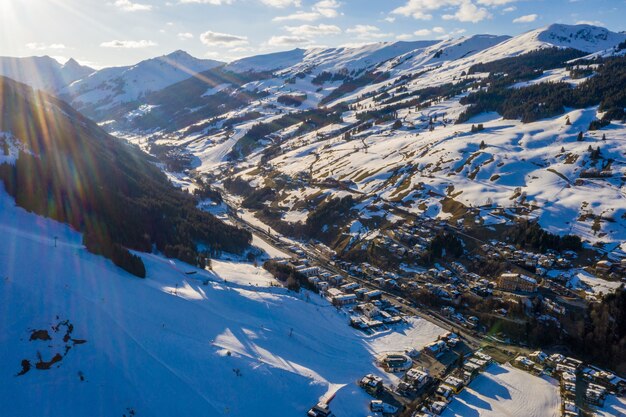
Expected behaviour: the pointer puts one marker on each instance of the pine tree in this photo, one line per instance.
(604, 136)
(580, 137)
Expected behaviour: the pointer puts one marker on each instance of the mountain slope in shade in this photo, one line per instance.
(44, 73)
(109, 87)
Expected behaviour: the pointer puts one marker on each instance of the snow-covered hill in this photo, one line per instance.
(90, 339)
(43, 72)
(110, 87)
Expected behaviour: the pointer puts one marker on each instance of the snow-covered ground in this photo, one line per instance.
(613, 407)
(507, 391)
(172, 344)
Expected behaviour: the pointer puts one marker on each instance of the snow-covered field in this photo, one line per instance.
(172, 344)
(507, 391)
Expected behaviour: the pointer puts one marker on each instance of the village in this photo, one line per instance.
(429, 379)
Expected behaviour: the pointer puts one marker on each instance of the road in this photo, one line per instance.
(314, 255)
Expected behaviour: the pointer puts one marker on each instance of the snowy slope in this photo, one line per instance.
(43, 72)
(112, 86)
(329, 59)
(507, 391)
(172, 344)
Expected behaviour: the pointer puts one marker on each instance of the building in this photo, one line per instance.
(516, 282)
(455, 384)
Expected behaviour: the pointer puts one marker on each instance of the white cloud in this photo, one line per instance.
(38, 46)
(509, 9)
(495, 2)
(128, 6)
(211, 2)
(367, 32)
(438, 29)
(313, 30)
(211, 38)
(468, 12)
(288, 40)
(185, 36)
(282, 3)
(422, 32)
(302, 16)
(128, 44)
(327, 8)
(321, 9)
(526, 19)
(421, 9)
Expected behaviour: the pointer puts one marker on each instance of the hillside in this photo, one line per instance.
(215, 343)
(61, 165)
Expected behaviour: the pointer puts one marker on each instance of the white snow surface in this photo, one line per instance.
(169, 345)
(507, 391)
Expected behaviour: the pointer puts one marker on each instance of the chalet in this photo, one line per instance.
(360, 293)
(372, 295)
(344, 299)
(336, 280)
(538, 357)
(516, 282)
(417, 377)
(443, 393)
(470, 371)
(595, 394)
(320, 410)
(308, 271)
(481, 363)
(570, 409)
(436, 348)
(437, 407)
(483, 356)
(372, 384)
(524, 363)
(350, 287)
(455, 384)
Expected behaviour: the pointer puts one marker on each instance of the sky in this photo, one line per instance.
(105, 33)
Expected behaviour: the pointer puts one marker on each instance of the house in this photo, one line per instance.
(379, 406)
(417, 377)
(350, 287)
(538, 357)
(524, 363)
(372, 295)
(516, 282)
(320, 410)
(595, 394)
(443, 393)
(455, 384)
(437, 407)
(372, 384)
(344, 299)
(308, 271)
(483, 356)
(435, 348)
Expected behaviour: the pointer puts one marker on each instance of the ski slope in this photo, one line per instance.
(208, 344)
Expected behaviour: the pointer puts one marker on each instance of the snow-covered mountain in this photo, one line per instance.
(109, 87)
(316, 60)
(43, 72)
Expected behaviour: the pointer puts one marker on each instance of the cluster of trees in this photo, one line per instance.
(534, 102)
(293, 100)
(446, 243)
(604, 336)
(528, 233)
(103, 245)
(326, 215)
(288, 275)
(330, 77)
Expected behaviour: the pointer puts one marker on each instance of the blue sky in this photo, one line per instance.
(122, 32)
